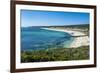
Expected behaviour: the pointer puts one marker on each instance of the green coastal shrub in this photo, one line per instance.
(60, 54)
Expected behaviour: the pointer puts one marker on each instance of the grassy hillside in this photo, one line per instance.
(61, 54)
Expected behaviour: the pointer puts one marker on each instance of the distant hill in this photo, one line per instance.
(69, 26)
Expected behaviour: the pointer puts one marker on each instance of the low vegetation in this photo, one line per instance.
(60, 54)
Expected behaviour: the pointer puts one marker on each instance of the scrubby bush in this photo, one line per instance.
(60, 54)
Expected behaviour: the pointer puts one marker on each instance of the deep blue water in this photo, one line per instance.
(35, 38)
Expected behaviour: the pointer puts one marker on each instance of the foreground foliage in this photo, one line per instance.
(61, 54)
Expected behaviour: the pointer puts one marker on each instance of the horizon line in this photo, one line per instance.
(55, 25)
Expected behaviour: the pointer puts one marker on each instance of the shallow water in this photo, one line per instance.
(35, 38)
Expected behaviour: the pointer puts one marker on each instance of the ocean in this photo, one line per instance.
(36, 38)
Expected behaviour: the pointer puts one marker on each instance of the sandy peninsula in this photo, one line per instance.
(81, 39)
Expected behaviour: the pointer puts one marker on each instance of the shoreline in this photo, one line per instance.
(71, 32)
(82, 40)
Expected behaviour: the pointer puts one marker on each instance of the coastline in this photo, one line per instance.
(80, 38)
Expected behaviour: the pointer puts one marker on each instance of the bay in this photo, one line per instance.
(36, 38)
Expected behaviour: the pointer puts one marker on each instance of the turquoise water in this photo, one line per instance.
(35, 38)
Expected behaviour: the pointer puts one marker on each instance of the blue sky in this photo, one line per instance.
(52, 18)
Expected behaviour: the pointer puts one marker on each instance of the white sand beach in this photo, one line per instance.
(81, 39)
